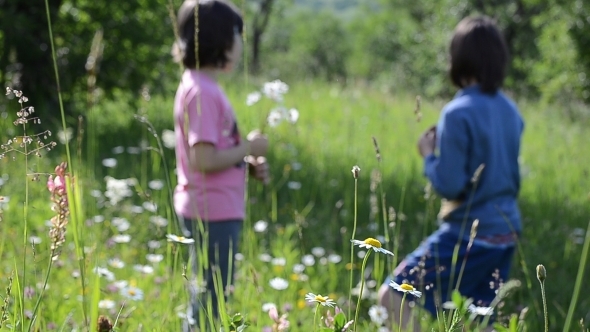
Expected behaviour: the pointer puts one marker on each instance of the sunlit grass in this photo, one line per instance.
(307, 213)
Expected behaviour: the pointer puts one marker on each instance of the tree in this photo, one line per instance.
(25, 60)
(259, 25)
(136, 40)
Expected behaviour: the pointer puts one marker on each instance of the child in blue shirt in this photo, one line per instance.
(471, 159)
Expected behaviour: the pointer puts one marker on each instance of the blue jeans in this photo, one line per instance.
(219, 242)
(431, 270)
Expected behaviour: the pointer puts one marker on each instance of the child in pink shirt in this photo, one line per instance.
(211, 155)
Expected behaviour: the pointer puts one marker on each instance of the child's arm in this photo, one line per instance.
(204, 157)
(447, 171)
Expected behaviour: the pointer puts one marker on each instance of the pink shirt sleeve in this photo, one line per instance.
(204, 117)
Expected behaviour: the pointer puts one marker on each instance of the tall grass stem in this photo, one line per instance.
(578, 284)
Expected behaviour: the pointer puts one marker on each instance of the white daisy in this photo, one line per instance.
(154, 258)
(267, 306)
(260, 226)
(106, 304)
(292, 115)
(371, 243)
(98, 219)
(308, 260)
(145, 269)
(121, 224)
(156, 184)
(153, 244)
(116, 263)
(318, 251)
(35, 240)
(149, 206)
(334, 258)
(274, 118)
(294, 185)
(481, 311)
(323, 300)
(132, 293)
(298, 268)
(405, 288)
(179, 239)
(104, 272)
(169, 138)
(275, 90)
(121, 238)
(109, 162)
(159, 221)
(253, 98)
(264, 257)
(378, 314)
(279, 261)
(278, 283)
(120, 284)
(135, 209)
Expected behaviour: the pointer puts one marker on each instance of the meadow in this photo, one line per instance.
(117, 263)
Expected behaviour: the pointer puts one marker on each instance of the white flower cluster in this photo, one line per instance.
(275, 91)
(117, 189)
(277, 115)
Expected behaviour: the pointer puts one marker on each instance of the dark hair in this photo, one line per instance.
(478, 50)
(219, 21)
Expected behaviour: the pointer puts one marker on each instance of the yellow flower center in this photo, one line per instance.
(406, 287)
(131, 292)
(181, 238)
(373, 242)
(320, 298)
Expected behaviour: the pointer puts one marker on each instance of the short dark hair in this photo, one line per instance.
(478, 50)
(219, 21)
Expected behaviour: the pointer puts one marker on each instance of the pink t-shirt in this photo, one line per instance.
(202, 113)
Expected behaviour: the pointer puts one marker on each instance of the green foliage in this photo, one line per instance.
(134, 50)
(320, 46)
(581, 38)
(334, 132)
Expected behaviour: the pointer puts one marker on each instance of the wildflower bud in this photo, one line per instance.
(273, 314)
(474, 229)
(477, 173)
(541, 273)
(104, 324)
(356, 171)
(377, 150)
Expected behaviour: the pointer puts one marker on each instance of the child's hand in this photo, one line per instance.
(258, 143)
(427, 142)
(259, 168)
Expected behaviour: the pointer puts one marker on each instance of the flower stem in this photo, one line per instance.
(352, 247)
(358, 302)
(579, 282)
(544, 305)
(315, 315)
(401, 311)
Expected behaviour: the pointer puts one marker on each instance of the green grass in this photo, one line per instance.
(334, 133)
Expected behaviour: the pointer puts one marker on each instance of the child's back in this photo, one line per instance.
(476, 129)
(476, 172)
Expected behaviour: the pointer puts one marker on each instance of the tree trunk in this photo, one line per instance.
(259, 27)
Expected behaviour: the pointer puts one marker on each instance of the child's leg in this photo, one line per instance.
(223, 244)
(435, 269)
